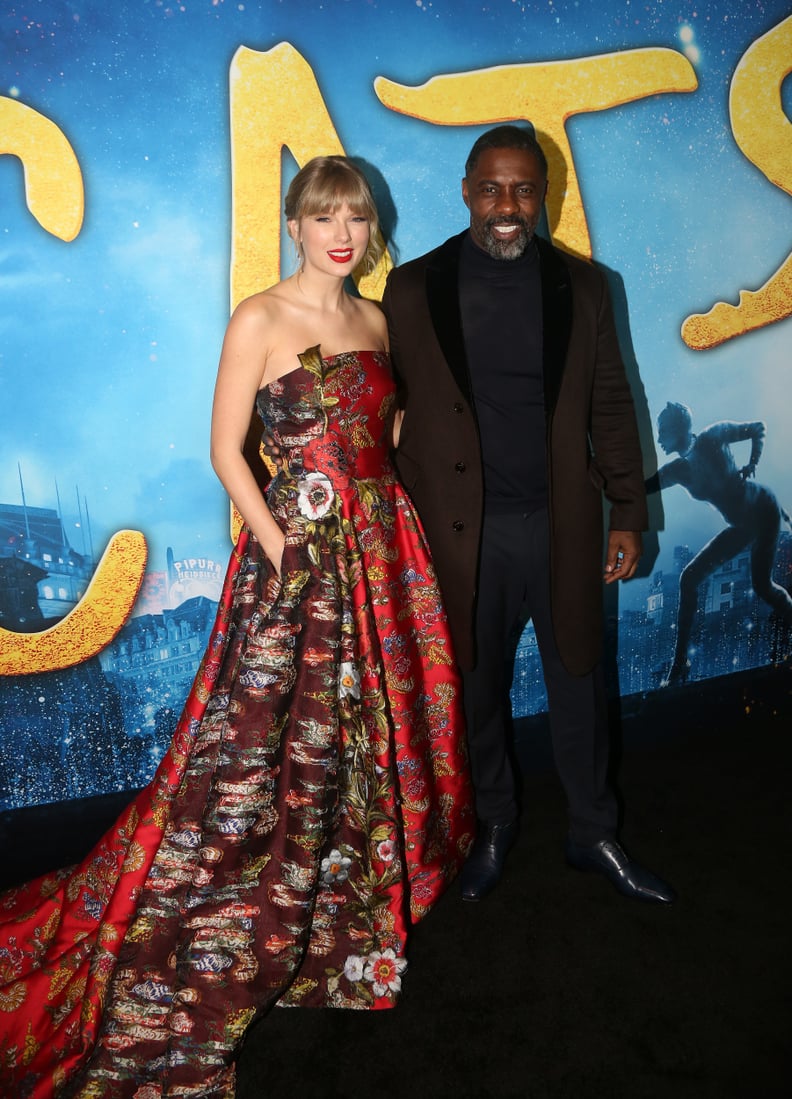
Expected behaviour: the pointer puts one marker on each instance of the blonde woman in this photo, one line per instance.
(315, 798)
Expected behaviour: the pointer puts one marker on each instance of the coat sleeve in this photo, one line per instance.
(393, 338)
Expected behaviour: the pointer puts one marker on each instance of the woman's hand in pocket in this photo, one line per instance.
(275, 554)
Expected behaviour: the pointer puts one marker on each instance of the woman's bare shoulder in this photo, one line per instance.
(265, 304)
(370, 306)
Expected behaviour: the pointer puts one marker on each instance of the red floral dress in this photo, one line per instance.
(313, 802)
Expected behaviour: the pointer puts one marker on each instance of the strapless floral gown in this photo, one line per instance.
(313, 802)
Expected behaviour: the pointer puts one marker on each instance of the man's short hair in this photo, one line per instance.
(507, 137)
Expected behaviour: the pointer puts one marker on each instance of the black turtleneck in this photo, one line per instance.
(501, 304)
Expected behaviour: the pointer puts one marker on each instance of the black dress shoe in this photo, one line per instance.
(611, 860)
(484, 866)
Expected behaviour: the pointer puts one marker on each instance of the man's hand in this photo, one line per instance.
(271, 454)
(624, 553)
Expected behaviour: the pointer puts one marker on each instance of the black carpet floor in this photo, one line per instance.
(555, 987)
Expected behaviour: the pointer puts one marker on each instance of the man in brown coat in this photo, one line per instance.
(518, 416)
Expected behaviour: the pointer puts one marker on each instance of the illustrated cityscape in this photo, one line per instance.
(103, 725)
(732, 631)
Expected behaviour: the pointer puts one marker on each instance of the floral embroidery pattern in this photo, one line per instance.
(313, 802)
(384, 970)
(314, 495)
(335, 868)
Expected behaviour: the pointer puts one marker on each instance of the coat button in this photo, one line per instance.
(460, 467)
(457, 407)
(458, 525)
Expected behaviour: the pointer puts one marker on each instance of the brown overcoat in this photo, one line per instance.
(592, 437)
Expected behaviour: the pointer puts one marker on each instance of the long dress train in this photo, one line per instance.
(313, 802)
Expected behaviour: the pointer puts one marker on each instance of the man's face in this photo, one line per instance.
(504, 193)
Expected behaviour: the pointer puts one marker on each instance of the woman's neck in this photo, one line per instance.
(320, 290)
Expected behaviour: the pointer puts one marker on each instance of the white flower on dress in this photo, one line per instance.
(348, 680)
(353, 967)
(335, 867)
(314, 495)
(384, 970)
(386, 849)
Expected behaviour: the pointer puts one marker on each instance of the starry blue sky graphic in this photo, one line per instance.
(109, 344)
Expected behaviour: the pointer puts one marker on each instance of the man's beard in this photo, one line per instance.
(504, 249)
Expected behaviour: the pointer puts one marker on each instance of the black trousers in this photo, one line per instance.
(514, 584)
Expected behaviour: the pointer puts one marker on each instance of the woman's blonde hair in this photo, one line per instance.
(321, 186)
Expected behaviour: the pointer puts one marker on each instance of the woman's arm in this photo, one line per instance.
(672, 473)
(239, 377)
(398, 416)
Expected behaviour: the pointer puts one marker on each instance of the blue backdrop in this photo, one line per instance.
(672, 165)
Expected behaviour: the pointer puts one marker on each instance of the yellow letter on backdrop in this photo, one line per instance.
(55, 197)
(89, 626)
(547, 94)
(275, 101)
(53, 181)
(764, 133)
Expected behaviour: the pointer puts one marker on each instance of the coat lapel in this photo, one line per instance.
(556, 319)
(442, 295)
